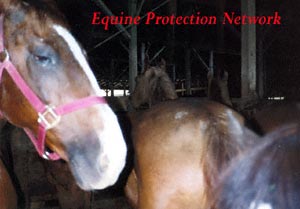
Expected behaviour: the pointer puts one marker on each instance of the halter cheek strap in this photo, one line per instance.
(48, 116)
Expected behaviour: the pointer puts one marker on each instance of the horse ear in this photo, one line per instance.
(163, 64)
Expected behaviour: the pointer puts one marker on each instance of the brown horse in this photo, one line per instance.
(218, 88)
(181, 147)
(48, 88)
(265, 177)
(153, 86)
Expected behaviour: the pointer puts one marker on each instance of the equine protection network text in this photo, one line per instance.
(152, 18)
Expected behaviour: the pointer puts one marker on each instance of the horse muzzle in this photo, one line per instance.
(97, 164)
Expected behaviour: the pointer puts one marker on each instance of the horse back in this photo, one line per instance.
(180, 149)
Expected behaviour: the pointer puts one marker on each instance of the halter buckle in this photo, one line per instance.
(48, 119)
(46, 155)
(4, 56)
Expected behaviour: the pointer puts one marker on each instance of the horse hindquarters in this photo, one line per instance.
(8, 196)
(180, 149)
(167, 152)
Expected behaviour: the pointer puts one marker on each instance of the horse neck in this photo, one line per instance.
(9, 104)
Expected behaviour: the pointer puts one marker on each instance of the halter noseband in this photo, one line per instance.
(48, 116)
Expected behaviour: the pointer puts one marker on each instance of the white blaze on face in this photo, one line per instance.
(78, 55)
(113, 146)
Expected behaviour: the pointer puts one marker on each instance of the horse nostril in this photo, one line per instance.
(104, 161)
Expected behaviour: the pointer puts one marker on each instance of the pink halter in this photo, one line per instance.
(48, 116)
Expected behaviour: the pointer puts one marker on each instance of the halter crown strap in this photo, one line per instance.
(48, 116)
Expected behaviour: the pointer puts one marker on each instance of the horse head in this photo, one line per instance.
(53, 68)
(153, 86)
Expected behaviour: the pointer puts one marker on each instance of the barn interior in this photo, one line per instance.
(261, 61)
(224, 41)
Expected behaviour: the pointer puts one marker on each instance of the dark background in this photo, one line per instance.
(278, 46)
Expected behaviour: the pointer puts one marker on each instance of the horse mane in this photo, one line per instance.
(268, 174)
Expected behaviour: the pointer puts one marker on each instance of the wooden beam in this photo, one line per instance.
(188, 73)
(128, 26)
(201, 60)
(133, 52)
(248, 54)
(172, 10)
(261, 73)
(143, 57)
(108, 12)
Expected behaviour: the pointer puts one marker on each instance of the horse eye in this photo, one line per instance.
(42, 60)
(43, 55)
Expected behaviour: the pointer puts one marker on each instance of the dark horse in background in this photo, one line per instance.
(265, 177)
(48, 88)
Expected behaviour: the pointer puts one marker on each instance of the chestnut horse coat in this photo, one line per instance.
(180, 149)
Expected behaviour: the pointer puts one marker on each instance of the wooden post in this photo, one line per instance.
(143, 50)
(219, 61)
(133, 57)
(248, 54)
(188, 75)
(172, 7)
(211, 61)
(112, 66)
(174, 73)
(220, 27)
(124, 89)
(261, 70)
